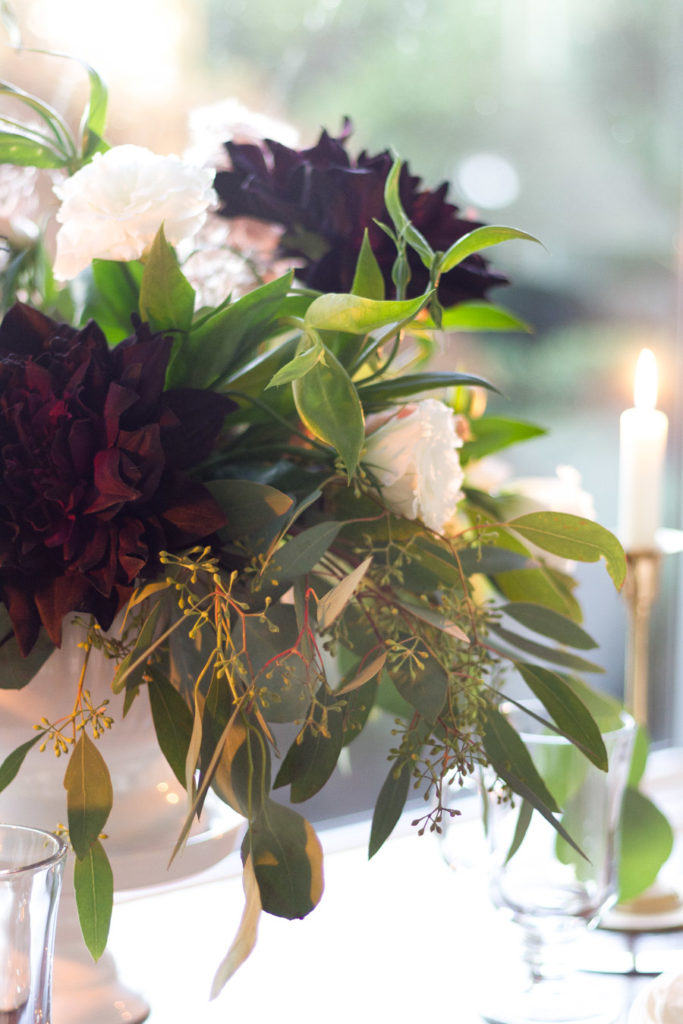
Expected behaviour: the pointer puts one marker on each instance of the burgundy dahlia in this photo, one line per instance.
(93, 460)
(325, 200)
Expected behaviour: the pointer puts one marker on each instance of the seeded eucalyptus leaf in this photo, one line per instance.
(300, 554)
(242, 776)
(94, 891)
(555, 655)
(426, 690)
(166, 296)
(357, 315)
(489, 560)
(248, 505)
(512, 761)
(331, 604)
(329, 407)
(389, 807)
(567, 710)
(575, 538)
(13, 762)
(313, 756)
(436, 619)
(368, 280)
(172, 720)
(245, 939)
(646, 844)
(539, 586)
(287, 859)
(521, 828)
(88, 793)
(475, 241)
(549, 623)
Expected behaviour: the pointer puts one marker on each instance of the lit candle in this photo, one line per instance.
(643, 431)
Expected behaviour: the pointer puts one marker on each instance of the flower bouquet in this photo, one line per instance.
(269, 496)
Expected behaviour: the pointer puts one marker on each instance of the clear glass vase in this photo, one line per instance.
(31, 867)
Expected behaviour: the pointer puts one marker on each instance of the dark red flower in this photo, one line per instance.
(325, 200)
(92, 459)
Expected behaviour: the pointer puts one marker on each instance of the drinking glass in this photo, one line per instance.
(551, 891)
(31, 866)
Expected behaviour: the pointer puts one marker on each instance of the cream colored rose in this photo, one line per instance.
(413, 457)
(113, 207)
(660, 1002)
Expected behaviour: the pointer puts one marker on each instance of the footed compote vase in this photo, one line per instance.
(552, 891)
(146, 819)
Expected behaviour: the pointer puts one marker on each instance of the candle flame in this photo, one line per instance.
(645, 384)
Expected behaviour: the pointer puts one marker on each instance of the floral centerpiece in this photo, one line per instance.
(272, 491)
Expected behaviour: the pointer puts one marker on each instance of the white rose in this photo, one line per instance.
(660, 1002)
(114, 206)
(414, 459)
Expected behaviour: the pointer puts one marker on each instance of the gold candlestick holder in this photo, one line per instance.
(640, 591)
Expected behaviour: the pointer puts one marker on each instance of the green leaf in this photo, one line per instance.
(523, 821)
(435, 618)
(130, 672)
(389, 807)
(112, 296)
(489, 561)
(539, 586)
(549, 623)
(15, 670)
(95, 114)
(285, 695)
(313, 756)
(287, 859)
(166, 296)
(94, 890)
(646, 844)
(242, 775)
(26, 151)
(368, 280)
(13, 762)
(331, 604)
(569, 713)
(89, 795)
(357, 315)
(573, 537)
(404, 228)
(493, 433)
(300, 554)
(482, 316)
(475, 241)
(249, 506)
(304, 360)
(329, 407)
(411, 384)
(218, 344)
(554, 655)
(426, 691)
(55, 123)
(172, 720)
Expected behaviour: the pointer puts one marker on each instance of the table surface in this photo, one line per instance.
(399, 938)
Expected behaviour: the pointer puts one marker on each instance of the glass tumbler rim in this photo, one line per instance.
(58, 845)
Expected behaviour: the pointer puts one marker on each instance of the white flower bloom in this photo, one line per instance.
(211, 126)
(660, 1002)
(113, 207)
(414, 459)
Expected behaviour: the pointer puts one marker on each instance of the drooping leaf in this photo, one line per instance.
(13, 762)
(94, 891)
(475, 241)
(510, 758)
(426, 690)
(368, 280)
(575, 538)
(436, 619)
(287, 859)
(521, 828)
(331, 604)
(389, 807)
(309, 352)
(549, 623)
(26, 151)
(172, 720)
(166, 296)
(646, 844)
(569, 713)
(357, 315)
(242, 774)
(245, 939)
(89, 795)
(329, 407)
